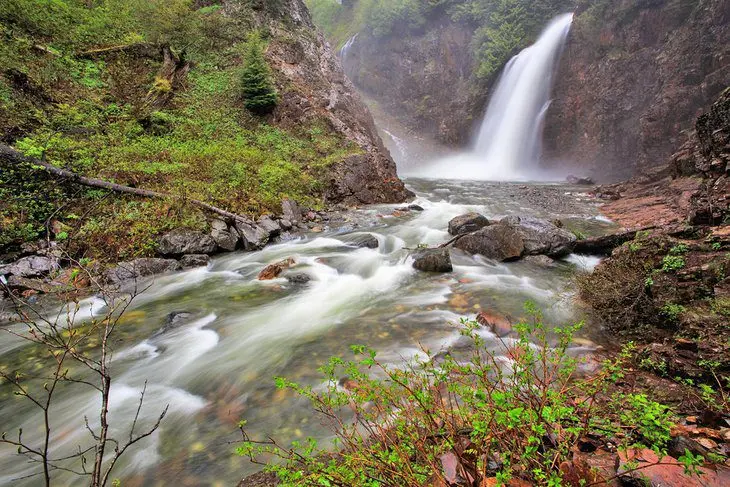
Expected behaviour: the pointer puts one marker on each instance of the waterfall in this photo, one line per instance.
(345, 51)
(510, 136)
(509, 141)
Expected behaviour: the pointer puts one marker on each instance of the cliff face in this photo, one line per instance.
(423, 78)
(634, 76)
(313, 86)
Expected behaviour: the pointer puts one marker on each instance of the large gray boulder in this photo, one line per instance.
(499, 242)
(135, 269)
(470, 222)
(252, 236)
(540, 237)
(270, 226)
(225, 238)
(291, 211)
(433, 260)
(33, 266)
(185, 241)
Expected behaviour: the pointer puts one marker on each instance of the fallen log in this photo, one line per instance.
(12, 156)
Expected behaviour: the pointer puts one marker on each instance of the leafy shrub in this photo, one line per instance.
(487, 416)
(257, 88)
(672, 263)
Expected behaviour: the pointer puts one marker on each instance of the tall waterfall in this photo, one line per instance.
(345, 51)
(508, 145)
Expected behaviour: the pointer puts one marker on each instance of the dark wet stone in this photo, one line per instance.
(498, 242)
(126, 271)
(185, 241)
(415, 207)
(467, 223)
(433, 260)
(541, 237)
(174, 320)
(300, 278)
(366, 241)
(194, 260)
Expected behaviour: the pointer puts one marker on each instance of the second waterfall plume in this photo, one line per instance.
(508, 145)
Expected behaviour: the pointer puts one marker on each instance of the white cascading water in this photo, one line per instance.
(345, 51)
(508, 145)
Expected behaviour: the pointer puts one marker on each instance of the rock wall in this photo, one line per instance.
(423, 78)
(635, 75)
(312, 85)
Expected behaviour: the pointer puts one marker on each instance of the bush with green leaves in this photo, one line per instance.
(257, 88)
(516, 411)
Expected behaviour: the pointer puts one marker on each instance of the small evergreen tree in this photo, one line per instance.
(257, 88)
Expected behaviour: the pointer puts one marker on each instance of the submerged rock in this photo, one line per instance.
(470, 222)
(433, 260)
(185, 241)
(300, 278)
(273, 271)
(499, 242)
(499, 324)
(126, 271)
(174, 320)
(368, 241)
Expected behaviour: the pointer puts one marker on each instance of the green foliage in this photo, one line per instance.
(671, 311)
(651, 420)
(672, 263)
(257, 89)
(393, 424)
(679, 249)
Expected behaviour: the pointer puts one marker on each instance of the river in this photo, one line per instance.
(218, 366)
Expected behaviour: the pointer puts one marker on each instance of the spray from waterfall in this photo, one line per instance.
(509, 142)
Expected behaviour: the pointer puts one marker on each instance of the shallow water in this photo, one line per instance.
(218, 367)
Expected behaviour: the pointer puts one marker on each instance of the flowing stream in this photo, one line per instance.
(218, 366)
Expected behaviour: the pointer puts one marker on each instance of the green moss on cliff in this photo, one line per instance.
(86, 88)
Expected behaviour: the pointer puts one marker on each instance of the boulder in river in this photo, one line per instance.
(185, 241)
(32, 266)
(580, 180)
(541, 237)
(367, 240)
(273, 271)
(299, 278)
(499, 324)
(433, 260)
(194, 260)
(125, 271)
(470, 222)
(226, 238)
(499, 242)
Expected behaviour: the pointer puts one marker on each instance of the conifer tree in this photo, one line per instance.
(257, 88)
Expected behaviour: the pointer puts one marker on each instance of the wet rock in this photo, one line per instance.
(194, 260)
(270, 226)
(33, 266)
(433, 260)
(285, 224)
(185, 241)
(652, 472)
(541, 237)
(499, 242)
(368, 241)
(541, 260)
(37, 285)
(467, 223)
(174, 320)
(580, 181)
(225, 238)
(499, 324)
(273, 271)
(252, 236)
(291, 211)
(604, 244)
(415, 207)
(300, 278)
(137, 268)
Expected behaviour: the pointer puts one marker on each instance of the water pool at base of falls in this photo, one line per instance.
(218, 366)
